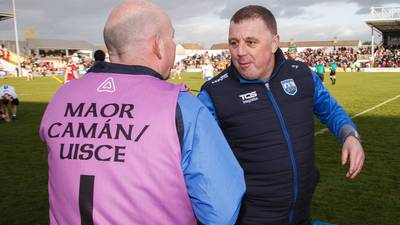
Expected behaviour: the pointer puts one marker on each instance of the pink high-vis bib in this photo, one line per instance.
(114, 154)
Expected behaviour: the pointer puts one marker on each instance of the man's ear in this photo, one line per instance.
(275, 43)
(157, 46)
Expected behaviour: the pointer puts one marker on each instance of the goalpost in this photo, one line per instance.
(9, 15)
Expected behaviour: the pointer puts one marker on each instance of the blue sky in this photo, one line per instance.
(204, 21)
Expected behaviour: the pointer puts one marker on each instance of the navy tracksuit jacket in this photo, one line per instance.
(269, 126)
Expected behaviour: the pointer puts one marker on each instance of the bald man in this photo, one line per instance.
(125, 147)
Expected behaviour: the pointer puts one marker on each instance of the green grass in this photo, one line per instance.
(373, 198)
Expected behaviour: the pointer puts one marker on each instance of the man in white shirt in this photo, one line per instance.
(208, 70)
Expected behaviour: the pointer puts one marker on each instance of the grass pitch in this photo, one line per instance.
(373, 198)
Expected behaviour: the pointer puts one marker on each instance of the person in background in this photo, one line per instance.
(207, 70)
(8, 96)
(6, 54)
(320, 69)
(3, 72)
(70, 72)
(2, 51)
(332, 74)
(292, 54)
(99, 56)
(176, 71)
(29, 72)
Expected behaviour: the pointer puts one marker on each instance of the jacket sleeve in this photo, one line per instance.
(329, 112)
(213, 176)
(205, 98)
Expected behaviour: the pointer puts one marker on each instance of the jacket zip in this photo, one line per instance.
(291, 151)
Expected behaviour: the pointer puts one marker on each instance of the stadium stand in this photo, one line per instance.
(386, 21)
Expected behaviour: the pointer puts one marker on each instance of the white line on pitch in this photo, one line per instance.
(361, 113)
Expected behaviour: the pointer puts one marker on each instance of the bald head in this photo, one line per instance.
(136, 32)
(131, 23)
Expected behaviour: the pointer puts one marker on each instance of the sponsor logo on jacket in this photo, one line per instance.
(249, 97)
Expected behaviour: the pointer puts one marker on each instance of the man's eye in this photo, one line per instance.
(233, 43)
(251, 43)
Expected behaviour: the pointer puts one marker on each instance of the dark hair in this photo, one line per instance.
(99, 55)
(256, 11)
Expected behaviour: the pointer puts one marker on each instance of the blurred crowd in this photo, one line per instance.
(219, 61)
(44, 65)
(344, 57)
(347, 57)
(388, 57)
(57, 65)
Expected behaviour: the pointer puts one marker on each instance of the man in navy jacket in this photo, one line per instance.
(265, 106)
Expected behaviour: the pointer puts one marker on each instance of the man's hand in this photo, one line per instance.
(4, 118)
(352, 149)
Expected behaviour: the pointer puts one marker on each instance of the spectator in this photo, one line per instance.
(6, 54)
(2, 51)
(99, 56)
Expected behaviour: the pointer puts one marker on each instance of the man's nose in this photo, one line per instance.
(241, 50)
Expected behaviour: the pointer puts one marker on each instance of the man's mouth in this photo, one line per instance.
(244, 65)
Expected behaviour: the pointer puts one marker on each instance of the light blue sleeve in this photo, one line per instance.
(205, 98)
(329, 112)
(213, 176)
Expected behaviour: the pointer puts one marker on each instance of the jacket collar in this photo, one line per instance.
(106, 67)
